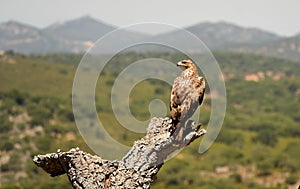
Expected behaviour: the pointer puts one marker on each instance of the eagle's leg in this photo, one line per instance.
(186, 132)
(183, 128)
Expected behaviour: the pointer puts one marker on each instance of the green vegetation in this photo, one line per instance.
(259, 140)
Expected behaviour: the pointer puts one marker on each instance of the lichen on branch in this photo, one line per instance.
(137, 169)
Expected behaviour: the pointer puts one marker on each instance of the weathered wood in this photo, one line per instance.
(137, 169)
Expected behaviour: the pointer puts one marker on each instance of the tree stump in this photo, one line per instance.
(137, 169)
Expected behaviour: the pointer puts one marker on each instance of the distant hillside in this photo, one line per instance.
(13, 30)
(287, 48)
(220, 35)
(257, 148)
(83, 29)
(76, 36)
(27, 39)
(73, 36)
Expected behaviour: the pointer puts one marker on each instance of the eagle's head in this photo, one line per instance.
(185, 63)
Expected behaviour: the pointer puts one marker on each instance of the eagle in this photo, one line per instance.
(187, 93)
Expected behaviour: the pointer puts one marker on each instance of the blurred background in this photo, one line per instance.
(257, 45)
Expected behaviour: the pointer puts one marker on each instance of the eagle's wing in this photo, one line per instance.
(175, 102)
(186, 96)
(194, 96)
(201, 89)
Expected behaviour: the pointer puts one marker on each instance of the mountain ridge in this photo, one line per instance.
(91, 29)
(285, 48)
(217, 36)
(77, 35)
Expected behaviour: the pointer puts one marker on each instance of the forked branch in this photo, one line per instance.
(137, 169)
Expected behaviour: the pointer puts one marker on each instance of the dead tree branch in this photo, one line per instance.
(137, 169)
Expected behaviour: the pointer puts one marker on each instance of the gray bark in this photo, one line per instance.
(137, 169)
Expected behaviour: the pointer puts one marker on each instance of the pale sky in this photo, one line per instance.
(279, 16)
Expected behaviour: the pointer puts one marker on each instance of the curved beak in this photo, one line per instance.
(180, 64)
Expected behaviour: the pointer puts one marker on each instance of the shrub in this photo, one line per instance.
(236, 177)
(18, 97)
(292, 179)
(265, 168)
(230, 138)
(44, 143)
(7, 146)
(5, 125)
(159, 91)
(63, 71)
(266, 137)
(4, 168)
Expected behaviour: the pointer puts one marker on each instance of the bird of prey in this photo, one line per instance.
(187, 93)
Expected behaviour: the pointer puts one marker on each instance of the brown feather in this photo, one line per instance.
(187, 93)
